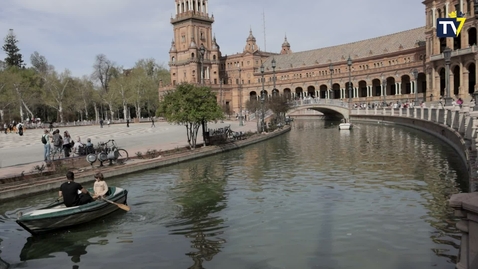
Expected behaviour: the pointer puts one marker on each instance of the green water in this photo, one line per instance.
(373, 197)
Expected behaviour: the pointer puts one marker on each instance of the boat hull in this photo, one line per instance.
(345, 126)
(56, 216)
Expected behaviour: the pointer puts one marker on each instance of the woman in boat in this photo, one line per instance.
(100, 187)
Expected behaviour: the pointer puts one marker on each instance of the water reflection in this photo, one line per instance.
(201, 195)
(74, 244)
(3, 264)
(369, 159)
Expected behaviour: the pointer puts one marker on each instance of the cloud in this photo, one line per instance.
(70, 33)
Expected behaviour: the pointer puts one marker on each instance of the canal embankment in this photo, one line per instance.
(21, 188)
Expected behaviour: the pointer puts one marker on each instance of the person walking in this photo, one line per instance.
(101, 123)
(20, 129)
(152, 123)
(46, 145)
(127, 123)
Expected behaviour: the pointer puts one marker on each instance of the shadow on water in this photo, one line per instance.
(325, 241)
(200, 194)
(3, 264)
(74, 243)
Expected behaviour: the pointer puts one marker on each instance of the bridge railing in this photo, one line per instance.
(425, 113)
(320, 101)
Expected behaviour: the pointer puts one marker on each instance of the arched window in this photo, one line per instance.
(173, 59)
(192, 55)
(214, 57)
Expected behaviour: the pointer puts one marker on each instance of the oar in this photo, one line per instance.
(56, 201)
(124, 207)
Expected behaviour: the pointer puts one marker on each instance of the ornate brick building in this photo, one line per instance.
(381, 68)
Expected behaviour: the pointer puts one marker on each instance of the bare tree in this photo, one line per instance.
(279, 105)
(121, 86)
(85, 90)
(56, 86)
(40, 64)
(104, 71)
(20, 81)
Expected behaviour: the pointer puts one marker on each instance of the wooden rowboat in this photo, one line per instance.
(57, 215)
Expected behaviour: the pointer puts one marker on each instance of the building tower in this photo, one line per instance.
(285, 47)
(192, 28)
(251, 45)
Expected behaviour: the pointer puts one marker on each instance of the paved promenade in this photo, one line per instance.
(22, 153)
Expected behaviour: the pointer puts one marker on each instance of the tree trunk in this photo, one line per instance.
(21, 112)
(125, 112)
(138, 111)
(86, 110)
(110, 106)
(97, 116)
(28, 109)
(60, 111)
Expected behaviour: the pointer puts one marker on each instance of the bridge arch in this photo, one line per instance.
(362, 85)
(330, 108)
(287, 93)
(299, 92)
(406, 84)
(253, 95)
(311, 91)
(275, 92)
(323, 91)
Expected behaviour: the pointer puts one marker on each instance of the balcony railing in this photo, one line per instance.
(458, 52)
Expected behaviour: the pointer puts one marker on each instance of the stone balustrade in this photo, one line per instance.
(465, 206)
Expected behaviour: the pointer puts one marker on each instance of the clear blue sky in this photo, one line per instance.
(70, 33)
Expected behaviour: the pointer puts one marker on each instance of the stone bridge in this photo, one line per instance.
(457, 126)
(329, 107)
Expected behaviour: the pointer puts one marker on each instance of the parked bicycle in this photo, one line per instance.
(108, 151)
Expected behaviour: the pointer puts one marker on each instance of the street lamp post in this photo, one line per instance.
(241, 121)
(447, 56)
(202, 51)
(384, 85)
(349, 63)
(274, 73)
(262, 98)
(415, 75)
(331, 69)
(221, 100)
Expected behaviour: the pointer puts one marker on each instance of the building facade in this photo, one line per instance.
(404, 66)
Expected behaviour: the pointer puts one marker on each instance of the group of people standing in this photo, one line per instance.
(14, 127)
(58, 143)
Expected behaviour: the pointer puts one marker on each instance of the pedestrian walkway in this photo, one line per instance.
(20, 154)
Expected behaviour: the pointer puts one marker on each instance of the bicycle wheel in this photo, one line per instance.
(122, 155)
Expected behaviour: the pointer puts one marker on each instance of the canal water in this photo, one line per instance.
(317, 197)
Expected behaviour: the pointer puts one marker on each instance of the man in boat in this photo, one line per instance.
(69, 192)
